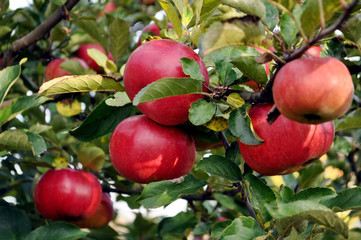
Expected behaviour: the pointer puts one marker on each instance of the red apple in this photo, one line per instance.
(313, 90)
(152, 28)
(83, 54)
(144, 151)
(53, 69)
(102, 216)
(314, 51)
(155, 60)
(67, 194)
(288, 145)
(147, 2)
(110, 7)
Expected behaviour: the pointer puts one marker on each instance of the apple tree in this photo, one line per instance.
(249, 111)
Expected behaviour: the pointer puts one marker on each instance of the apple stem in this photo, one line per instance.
(222, 137)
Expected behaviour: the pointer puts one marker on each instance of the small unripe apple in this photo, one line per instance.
(144, 151)
(152, 28)
(155, 60)
(102, 216)
(83, 54)
(53, 69)
(288, 145)
(67, 194)
(313, 90)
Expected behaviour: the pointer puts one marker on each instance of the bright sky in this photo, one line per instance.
(14, 4)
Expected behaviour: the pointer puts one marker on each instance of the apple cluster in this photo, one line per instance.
(73, 196)
(152, 147)
(310, 93)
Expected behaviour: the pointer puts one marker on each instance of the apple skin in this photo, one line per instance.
(53, 69)
(147, 2)
(110, 7)
(83, 54)
(67, 194)
(103, 215)
(314, 51)
(143, 151)
(288, 145)
(313, 90)
(155, 60)
(152, 28)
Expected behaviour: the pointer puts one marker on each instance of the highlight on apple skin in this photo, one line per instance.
(288, 145)
(313, 90)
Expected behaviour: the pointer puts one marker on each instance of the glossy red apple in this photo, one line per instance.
(155, 60)
(102, 216)
(288, 145)
(152, 28)
(67, 194)
(83, 54)
(313, 90)
(53, 69)
(144, 151)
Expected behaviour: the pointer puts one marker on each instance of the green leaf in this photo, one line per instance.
(83, 83)
(240, 228)
(91, 27)
(272, 13)
(350, 121)
(201, 112)
(288, 4)
(101, 121)
(14, 140)
(167, 87)
(241, 129)
(311, 211)
(56, 231)
(120, 99)
(310, 19)
(289, 28)
(75, 68)
(316, 194)
(102, 60)
(345, 200)
(178, 224)
(250, 7)
(227, 201)
(38, 145)
(234, 32)
(187, 15)
(309, 174)
(5, 30)
(191, 68)
(161, 193)
(352, 29)
(118, 35)
(250, 68)
(220, 166)
(260, 195)
(172, 15)
(14, 223)
(8, 77)
(18, 106)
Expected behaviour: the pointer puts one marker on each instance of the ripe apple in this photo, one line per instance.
(102, 216)
(152, 28)
(314, 51)
(67, 194)
(147, 2)
(155, 60)
(144, 151)
(109, 7)
(313, 90)
(53, 69)
(83, 54)
(288, 145)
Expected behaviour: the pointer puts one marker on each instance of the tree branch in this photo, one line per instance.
(37, 34)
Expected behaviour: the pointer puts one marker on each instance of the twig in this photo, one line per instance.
(37, 34)
(350, 159)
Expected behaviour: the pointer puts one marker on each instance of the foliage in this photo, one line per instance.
(321, 201)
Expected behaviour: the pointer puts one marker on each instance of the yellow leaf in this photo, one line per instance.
(68, 108)
(60, 162)
(217, 124)
(235, 100)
